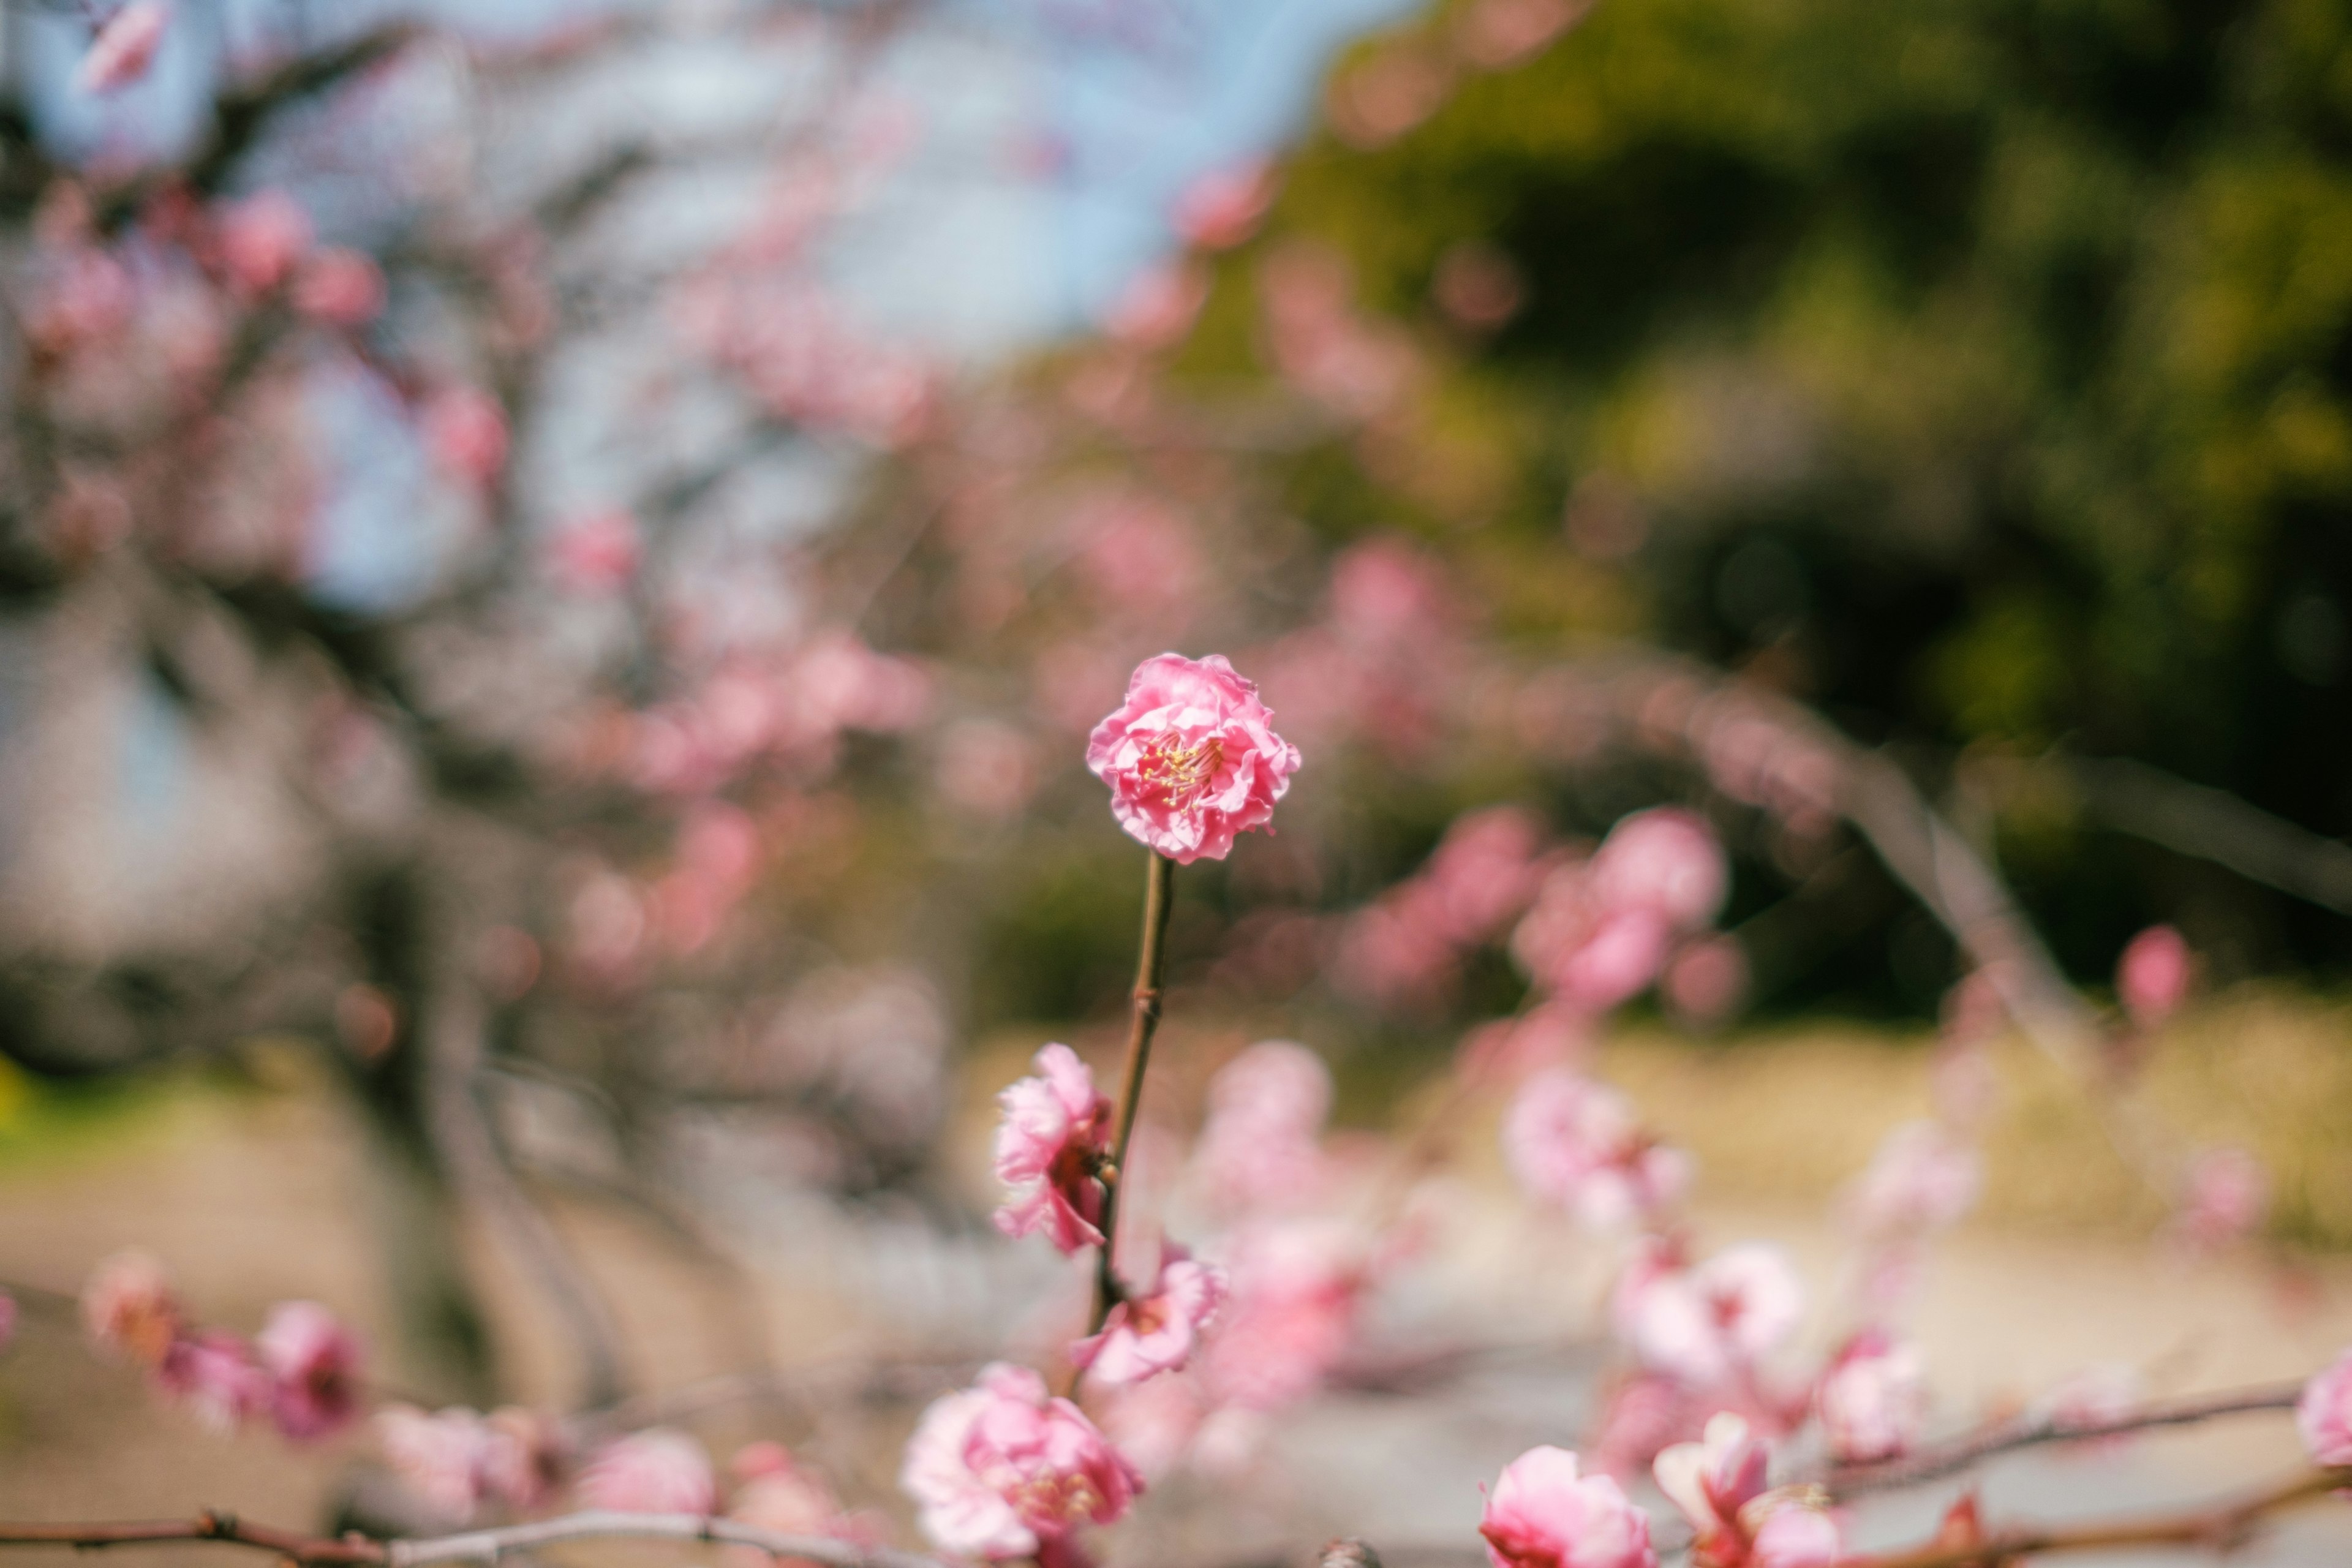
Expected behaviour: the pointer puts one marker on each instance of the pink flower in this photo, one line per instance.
(465, 431)
(1711, 1481)
(1795, 1534)
(1219, 209)
(2152, 975)
(1576, 1144)
(777, 1494)
(1295, 1288)
(214, 1375)
(313, 1362)
(127, 1308)
(595, 553)
(442, 1459)
(1260, 1144)
(1003, 1470)
(124, 46)
(653, 1471)
(339, 287)
(1591, 953)
(1542, 1514)
(1703, 1324)
(1155, 1333)
(1667, 860)
(2324, 1415)
(1158, 305)
(1921, 1179)
(2228, 1193)
(1872, 1399)
(262, 238)
(1190, 758)
(1055, 1130)
(1705, 980)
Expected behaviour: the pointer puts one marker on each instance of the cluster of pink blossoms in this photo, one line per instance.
(456, 1461)
(1191, 758)
(1006, 1470)
(301, 1371)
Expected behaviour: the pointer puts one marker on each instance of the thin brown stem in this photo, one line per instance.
(2212, 1528)
(2030, 1431)
(1159, 893)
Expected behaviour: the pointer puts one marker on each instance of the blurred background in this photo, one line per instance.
(557, 560)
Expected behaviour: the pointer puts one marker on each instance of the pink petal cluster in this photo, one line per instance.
(2152, 975)
(1542, 1514)
(1575, 1143)
(456, 1461)
(124, 46)
(1055, 1132)
(1794, 1533)
(1408, 946)
(1600, 932)
(2323, 1416)
(1006, 1470)
(313, 1364)
(1190, 758)
(129, 1309)
(595, 553)
(1155, 1331)
(1261, 1144)
(653, 1471)
(262, 239)
(776, 1493)
(1296, 1285)
(1872, 1399)
(2227, 1194)
(465, 431)
(1711, 1481)
(1921, 1179)
(341, 287)
(215, 1376)
(1705, 1324)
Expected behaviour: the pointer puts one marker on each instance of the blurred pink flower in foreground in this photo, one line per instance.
(1158, 305)
(313, 1362)
(777, 1494)
(1003, 1470)
(1708, 1323)
(1794, 1534)
(1577, 1143)
(124, 46)
(1711, 1480)
(1664, 859)
(216, 1377)
(127, 1308)
(1154, 1331)
(653, 1471)
(2152, 975)
(1872, 1399)
(2324, 1415)
(1542, 1514)
(1190, 758)
(1056, 1127)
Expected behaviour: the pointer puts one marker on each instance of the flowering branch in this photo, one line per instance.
(2033, 1430)
(1159, 893)
(2215, 1529)
(355, 1550)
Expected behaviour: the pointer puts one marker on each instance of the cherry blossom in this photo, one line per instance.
(214, 1375)
(2152, 975)
(1711, 1480)
(1577, 1144)
(1794, 1534)
(653, 1471)
(1154, 1331)
(1056, 1131)
(313, 1362)
(124, 48)
(339, 287)
(1190, 758)
(2323, 1416)
(129, 1310)
(1710, 1322)
(1920, 1179)
(1260, 1144)
(1542, 1514)
(1005, 1470)
(1872, 1399)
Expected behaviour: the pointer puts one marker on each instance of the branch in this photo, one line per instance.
(2214, 1528)
(2031, 1431)
(1159, 895)
(355, 1550)
(2207, 824)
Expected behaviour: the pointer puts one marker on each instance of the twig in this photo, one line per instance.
(1159, 887)
(2031, 1431)
(2214, 1528)
(2213, 825)
(473, 1546)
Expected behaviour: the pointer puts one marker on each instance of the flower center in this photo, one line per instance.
(1054, 1500)
(1178, 770)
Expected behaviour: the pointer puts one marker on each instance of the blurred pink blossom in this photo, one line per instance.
(1712, 1322)
(1294, 1289)
(1667, 860)
(1357, 367)
(2152, 975)
(313, 1362)
(1154, 1331)
(1158, 305)
(2323, 1416)
(262, 238)
(465, 431)
(1154, 1423)
(1872, 1399)
(124, 46)
(1055, 1129)
(341, 287)
(2225, 1198)
(987, 769)
(1477, 286)
(1003, 1470)
(7, 1320)
(129, 1309)
(1711, 1480)
(1221, 208)
(1260, 1144)
(1495, 34)
(1794, 1534)
(652, 1471)
(1577, 1143)
(595, 553)
(776, 1493)
(214, 1374)
(1706, 980)
(1507, 1050)
(1921, 1179)
(1191, 758)
(1542, 1514)
(1139, 555)
(443, 1459)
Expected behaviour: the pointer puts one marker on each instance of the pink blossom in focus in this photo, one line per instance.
(129, 1310)
(595, 553)
(1154, 1331)
(1706, 1324)
(2323, 1416)
(653, 1471)
(465, 431)
(123, 47)
(262, 238)
(1003, 1469)
(313, 1362)
(2227, 1196)
(1542, 1514)
(1795, 1534)
(1218, 210)
(1711, 1480)
(1190, 758)
(341, 287)
(2152, 975)
(216, 1377)
(1577, 1144)
(1872, 1399)
(1056, 1127)
(1921, 1179)
(1664, 859)
(1260, 1146)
